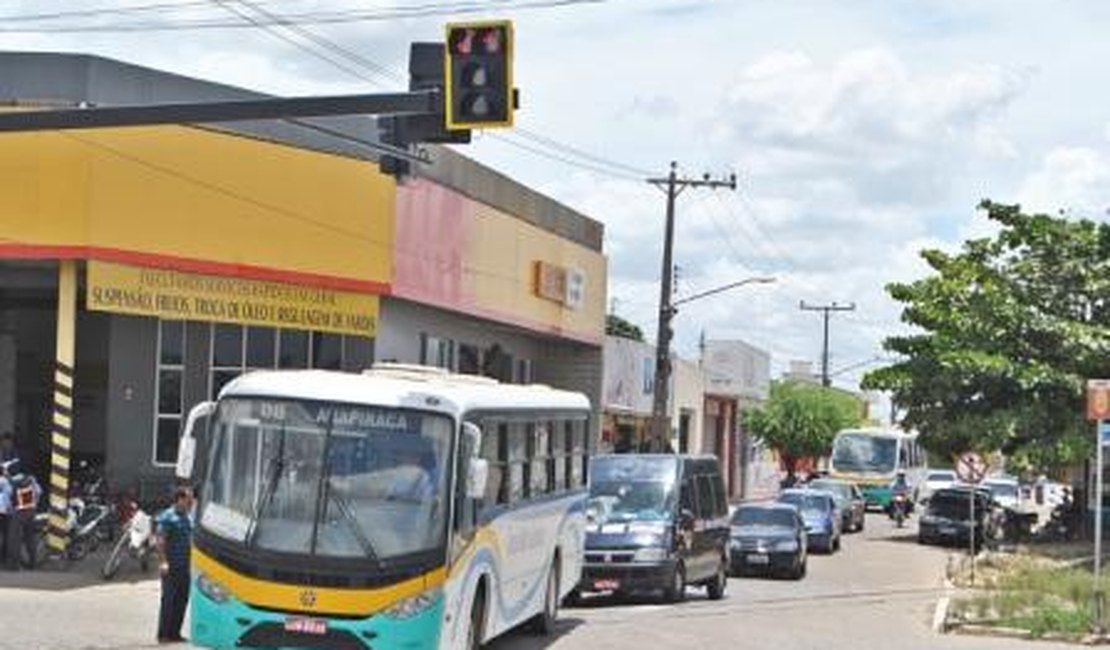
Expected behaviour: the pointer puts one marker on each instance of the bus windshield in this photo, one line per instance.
(327, 479)
(632, 488)
(861, 452)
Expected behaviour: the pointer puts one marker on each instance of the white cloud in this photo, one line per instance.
(1075, 179)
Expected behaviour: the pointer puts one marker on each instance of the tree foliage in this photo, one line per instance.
(1010, 329)
(800, 420)
(617, 326)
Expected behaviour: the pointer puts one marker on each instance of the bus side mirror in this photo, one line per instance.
(477, 475)
(477, 468)
(187, 446)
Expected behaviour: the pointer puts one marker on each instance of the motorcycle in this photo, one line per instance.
(898, 509)
(136, 541)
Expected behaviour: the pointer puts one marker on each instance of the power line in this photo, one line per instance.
(565, 160)
(590, 162)
(310, 18)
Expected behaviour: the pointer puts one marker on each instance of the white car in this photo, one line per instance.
(935, 479)
(1005, 491)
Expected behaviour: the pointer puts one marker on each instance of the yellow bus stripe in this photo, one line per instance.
(316, 600)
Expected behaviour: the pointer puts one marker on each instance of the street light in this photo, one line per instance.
(663, 354)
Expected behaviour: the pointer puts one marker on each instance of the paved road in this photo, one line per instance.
(879, 592)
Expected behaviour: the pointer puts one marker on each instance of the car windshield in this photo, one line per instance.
(861, 452)
(1005, 490)
(770, 517)
(327, 479)
(806, 502)
(632, 488)
(839, 490)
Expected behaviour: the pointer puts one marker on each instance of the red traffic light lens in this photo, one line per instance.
(491, 41)
(462, 41)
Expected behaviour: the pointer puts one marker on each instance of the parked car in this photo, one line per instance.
(947, 519)
(849, 499)
(1005, 491)
(768, 538)
(656, 523)
(820, 514)
(935, 479)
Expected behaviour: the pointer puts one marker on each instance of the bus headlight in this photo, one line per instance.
(215, 591)
(414, 606)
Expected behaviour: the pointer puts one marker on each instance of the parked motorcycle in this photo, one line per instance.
(136, 541)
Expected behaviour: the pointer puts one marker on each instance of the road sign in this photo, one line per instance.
(970, 467)
(1098, 399)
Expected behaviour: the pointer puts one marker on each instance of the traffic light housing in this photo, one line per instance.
(479, 70)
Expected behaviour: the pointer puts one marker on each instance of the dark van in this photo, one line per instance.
(656, 522)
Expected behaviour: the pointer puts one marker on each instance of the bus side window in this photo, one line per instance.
(557, 468)
(466, 509)
(493, 435)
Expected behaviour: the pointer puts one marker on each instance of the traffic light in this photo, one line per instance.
(479, 71)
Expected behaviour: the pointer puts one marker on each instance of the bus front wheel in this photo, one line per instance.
(477, 621)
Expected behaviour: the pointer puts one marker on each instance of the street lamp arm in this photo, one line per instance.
(732, 285)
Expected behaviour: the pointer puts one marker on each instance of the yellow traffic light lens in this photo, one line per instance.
(476, 76)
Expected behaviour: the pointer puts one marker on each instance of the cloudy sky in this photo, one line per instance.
(861, 130)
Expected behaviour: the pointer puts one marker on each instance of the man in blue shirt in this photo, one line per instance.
(6, 512)
(174, 537)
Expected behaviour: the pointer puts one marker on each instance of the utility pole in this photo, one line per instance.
(827, 310)
(673, 186)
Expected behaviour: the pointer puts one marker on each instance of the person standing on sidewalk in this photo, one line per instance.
(174, 538)
(26, 494)
(6, 512)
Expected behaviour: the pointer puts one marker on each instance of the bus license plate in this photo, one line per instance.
(607, 585)
(306, 626)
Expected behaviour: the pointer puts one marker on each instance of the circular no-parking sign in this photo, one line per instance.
(970, 467)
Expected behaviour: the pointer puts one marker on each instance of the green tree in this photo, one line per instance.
(800, 420)
(617, 326)
(1010, 328)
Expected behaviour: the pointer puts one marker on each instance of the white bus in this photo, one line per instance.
(872, 458)
(404, 507)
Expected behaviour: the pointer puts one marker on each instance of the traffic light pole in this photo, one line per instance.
(826, 381)
(412, 103)
(673, 185)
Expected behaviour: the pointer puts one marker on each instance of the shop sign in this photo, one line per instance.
(162, 293)
(562, 285)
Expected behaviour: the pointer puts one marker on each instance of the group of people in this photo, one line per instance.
(20, 494)
(19, 499)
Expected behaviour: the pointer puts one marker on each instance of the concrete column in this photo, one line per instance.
(63, 402)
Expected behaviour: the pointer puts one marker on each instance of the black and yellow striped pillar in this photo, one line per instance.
(61, 431)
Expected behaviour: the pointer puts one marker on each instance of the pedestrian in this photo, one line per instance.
(173, 537)
(6, 512)
(21, 527)
(7, 448)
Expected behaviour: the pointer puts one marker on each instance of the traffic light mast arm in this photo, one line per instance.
(417, 102)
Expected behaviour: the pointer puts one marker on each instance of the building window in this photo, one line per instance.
(227, 356)
(293, 349)
(327, 351)
(523, 371)
(169, 391)
(470, 359)
(236, 349)
(437, 352)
